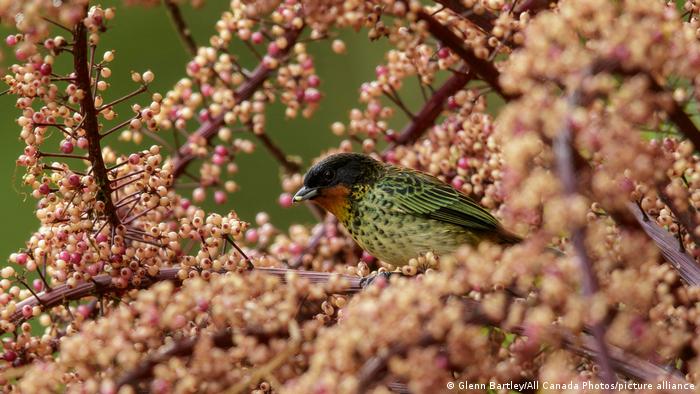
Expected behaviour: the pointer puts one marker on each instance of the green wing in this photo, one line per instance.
(421, 194)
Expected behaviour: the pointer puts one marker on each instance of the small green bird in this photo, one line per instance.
(397, 213)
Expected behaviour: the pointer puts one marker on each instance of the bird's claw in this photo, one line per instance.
(380, 278)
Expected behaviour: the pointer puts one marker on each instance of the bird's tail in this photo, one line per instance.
(505, 237)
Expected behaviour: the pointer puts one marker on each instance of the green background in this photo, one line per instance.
(145, 39)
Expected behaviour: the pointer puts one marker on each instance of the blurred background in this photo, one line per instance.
(144, 38)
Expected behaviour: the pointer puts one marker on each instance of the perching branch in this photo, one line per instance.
(346, 284)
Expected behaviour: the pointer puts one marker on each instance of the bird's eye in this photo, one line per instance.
(328, 175)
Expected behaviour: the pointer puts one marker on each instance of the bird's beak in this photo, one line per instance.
(306, 193)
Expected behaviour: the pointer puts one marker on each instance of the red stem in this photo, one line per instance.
(432, 109)
(209, 128)
(565, 165)
(483, 68)
(91, 126)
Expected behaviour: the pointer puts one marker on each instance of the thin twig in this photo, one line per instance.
(289, 166)
(57, 24)
(181, 26)
(230, 241)
(136, 92)
(393, 95)
(63, 156)
(119, 126)
(138, 215)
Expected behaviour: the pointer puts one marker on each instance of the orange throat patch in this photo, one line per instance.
(335, 200)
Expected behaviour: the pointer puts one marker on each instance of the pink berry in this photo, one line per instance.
(93, 269)
(381, 70)
(193, 67)
(314, 81)
(125, 273)
(443, 53)
(10, 356)
(22, 258)
(38, 117)
(221, 150)
(66, 146)
(64, 255)
(27, 311)
(312, 95)
(452, 103)
(82, 143)
(134, 159)
(218, 160)
(185, 203)
(84, 310)
(202, 305)
(219, 197)
(374, 108)
(296, 249)
(367, 258)
(44, 189)
(463, 163)
(442, 362)
(307, 64)
(101, 237)
(11, 40)
(21, 54)
(257, 38)
(285, 200)
(38, 285)
(198, 194)
(273, 49)
(207, 90)
(75, 258)
(203, 115)
(74, 180)
(251, 235)
(45, 69)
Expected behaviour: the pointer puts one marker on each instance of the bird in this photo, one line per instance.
(396, 213)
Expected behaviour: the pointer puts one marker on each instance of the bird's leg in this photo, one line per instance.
(379, 279)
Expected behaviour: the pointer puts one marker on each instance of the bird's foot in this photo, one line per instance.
(379, 279)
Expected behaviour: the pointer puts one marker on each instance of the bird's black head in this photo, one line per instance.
(338, 173)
